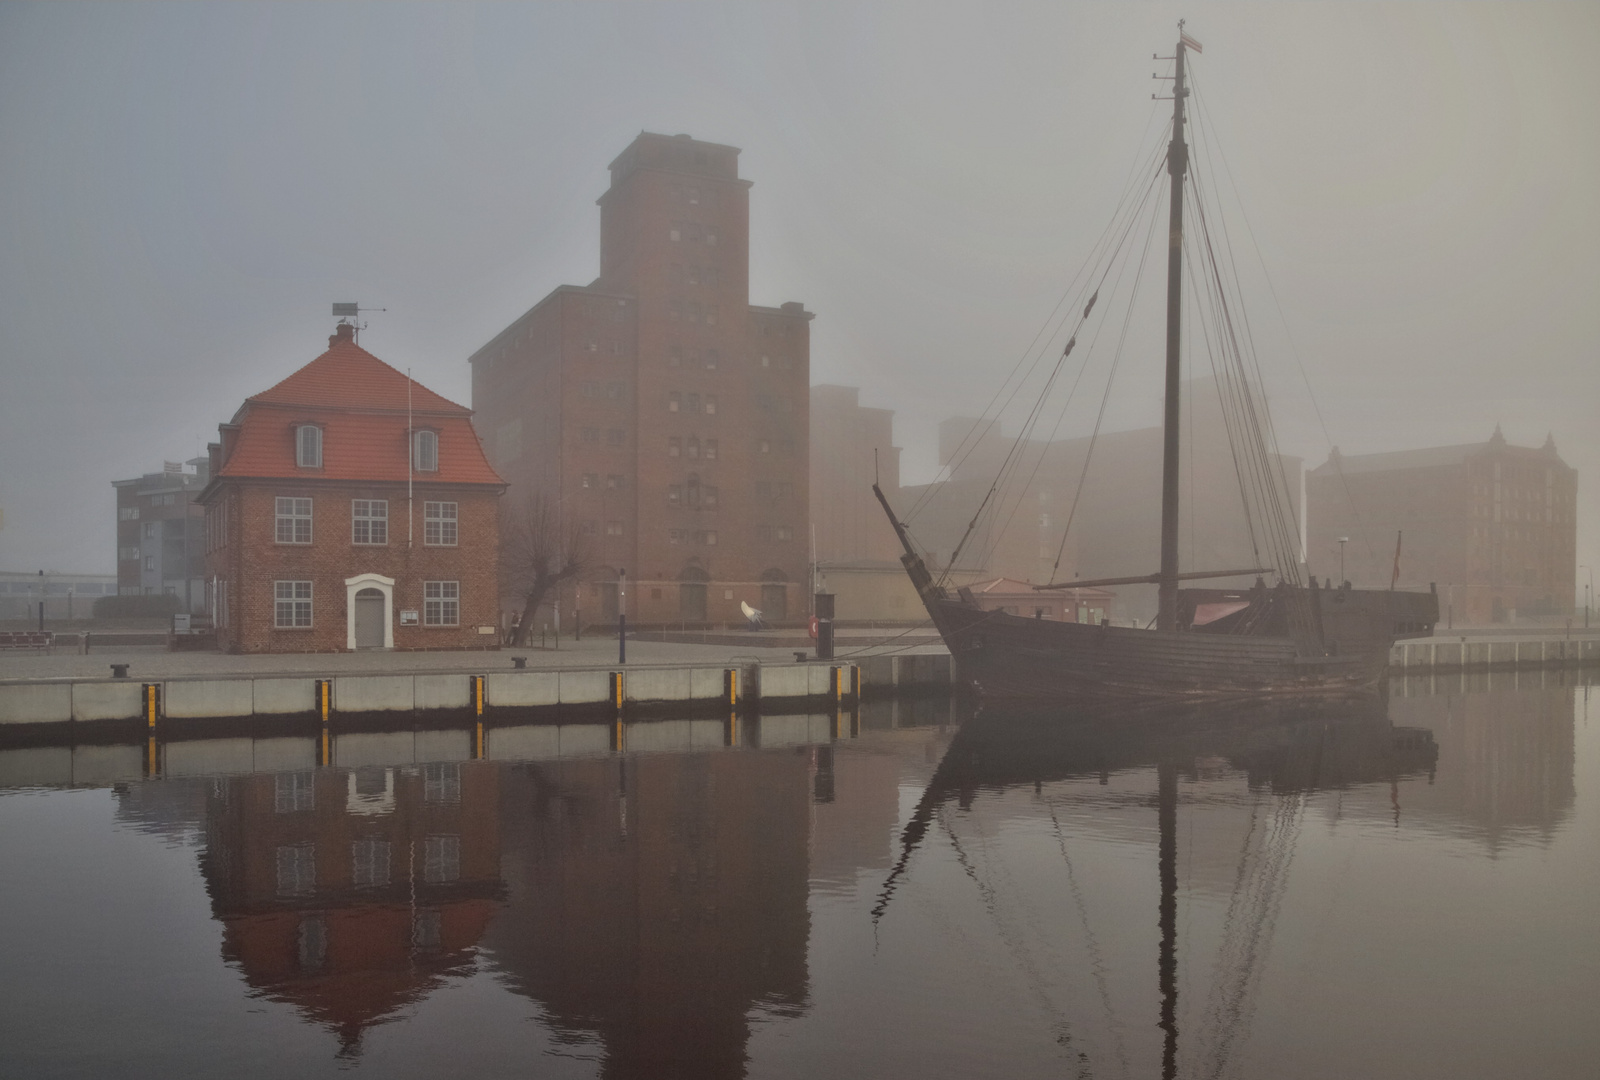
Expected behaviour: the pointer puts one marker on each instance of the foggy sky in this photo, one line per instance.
(184, 190)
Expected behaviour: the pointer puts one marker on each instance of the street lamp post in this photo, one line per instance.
(622, 616)
(1343, 540)
(1588, 595)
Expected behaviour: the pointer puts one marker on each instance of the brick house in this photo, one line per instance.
(322, 536)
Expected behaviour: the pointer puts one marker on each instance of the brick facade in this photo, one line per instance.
(248, 554)
(664, 416)
(1494, 526)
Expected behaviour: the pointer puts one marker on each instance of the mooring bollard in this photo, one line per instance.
(119, 671)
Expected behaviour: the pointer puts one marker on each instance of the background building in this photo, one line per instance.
(1493, 525)
(350, 507)
(851, 446)
(161, 534)
(858, 557)
(664, 415)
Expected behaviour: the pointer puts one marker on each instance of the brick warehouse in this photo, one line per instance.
(1494, 526)
(321, 536)
(664, 415)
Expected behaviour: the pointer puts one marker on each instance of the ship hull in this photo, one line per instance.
(1009, 657)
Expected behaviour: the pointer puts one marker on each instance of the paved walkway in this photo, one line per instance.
(151, 662)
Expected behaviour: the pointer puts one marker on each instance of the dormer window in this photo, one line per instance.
(425, 451)
(308, 446)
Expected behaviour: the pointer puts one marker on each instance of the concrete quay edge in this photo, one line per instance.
(240, 695)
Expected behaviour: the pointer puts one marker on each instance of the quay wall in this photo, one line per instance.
(644, 689)
(1486, 652)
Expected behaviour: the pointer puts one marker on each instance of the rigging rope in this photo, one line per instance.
(1013, 457)
(1104, 252)
(1294, 351)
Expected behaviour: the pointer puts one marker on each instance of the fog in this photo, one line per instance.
(184, 189)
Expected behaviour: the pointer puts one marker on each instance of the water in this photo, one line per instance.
(1410, 894)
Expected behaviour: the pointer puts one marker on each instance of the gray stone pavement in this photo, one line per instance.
(150, 662)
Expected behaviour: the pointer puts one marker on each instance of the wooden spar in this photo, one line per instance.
(899, 529)
(1152, 579)
(1177, 164)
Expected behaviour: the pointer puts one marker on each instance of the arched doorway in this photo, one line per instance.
(369, 603)
(692, 594)
(774, 595)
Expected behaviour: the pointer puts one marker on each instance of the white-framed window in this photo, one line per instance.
(439, 524)
(711, 449)
(441, 603)
(711, 404)
(128, 554)
(308, 446)
(291, 605)
(613, 528)
(297, 870)
(369, 521)
(425, 451)
(441, 859)
(149, 562)
(128, 513)
(293, 521)
(294, 792)
(369, 863)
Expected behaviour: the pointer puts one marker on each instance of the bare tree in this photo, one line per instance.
(536, 556)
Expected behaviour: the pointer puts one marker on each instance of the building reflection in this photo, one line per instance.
(657, 903)
(1507, 756)
(349, 893)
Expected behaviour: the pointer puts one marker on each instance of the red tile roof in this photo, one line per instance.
(360, 404)
(348, 376)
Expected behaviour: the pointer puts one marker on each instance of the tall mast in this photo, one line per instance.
(1177, 165)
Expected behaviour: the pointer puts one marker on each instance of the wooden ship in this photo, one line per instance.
(1289, 637)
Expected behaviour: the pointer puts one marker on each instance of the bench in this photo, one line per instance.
(27, 639)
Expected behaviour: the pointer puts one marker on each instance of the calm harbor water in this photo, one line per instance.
(1410, 889)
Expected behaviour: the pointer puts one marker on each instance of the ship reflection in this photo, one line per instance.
(1288, 749)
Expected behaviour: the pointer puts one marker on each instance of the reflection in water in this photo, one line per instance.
(1506, 755)
(655, 901)
(1313, 892)
(1290, 749)
(350, 893)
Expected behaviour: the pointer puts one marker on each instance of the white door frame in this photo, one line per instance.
(353, 585)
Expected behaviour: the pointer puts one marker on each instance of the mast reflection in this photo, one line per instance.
(1292, 749)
